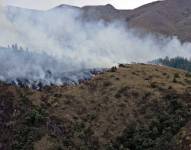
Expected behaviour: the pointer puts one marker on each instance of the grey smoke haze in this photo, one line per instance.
(59, 42)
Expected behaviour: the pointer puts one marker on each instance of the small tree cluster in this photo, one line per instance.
(177, 62)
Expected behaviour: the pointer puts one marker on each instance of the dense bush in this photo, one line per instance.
(30, 128)
(35, 117)
(25, 136)
(158, 129)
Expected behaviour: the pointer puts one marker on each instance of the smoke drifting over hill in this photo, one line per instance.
(60, 35)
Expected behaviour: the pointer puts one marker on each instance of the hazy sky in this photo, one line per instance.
(45, 4)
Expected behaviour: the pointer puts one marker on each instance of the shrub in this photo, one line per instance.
(107, 83)
(35, 117)
(188, 81)
(122, 66)
(121, 91)
(188, 74)
(176, 75)
(113, 69)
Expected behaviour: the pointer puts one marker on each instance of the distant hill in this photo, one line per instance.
(168, 17)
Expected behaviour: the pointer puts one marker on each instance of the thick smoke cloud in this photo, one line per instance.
(57, 42)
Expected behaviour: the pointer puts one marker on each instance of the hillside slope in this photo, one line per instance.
(133, 107)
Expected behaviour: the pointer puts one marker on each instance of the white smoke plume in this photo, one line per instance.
(59, 43)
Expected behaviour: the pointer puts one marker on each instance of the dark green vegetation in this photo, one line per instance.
(158, 129)
(177, 62)
(20, 121)
(135, 107)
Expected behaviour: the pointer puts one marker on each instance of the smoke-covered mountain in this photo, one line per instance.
(72, 39)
